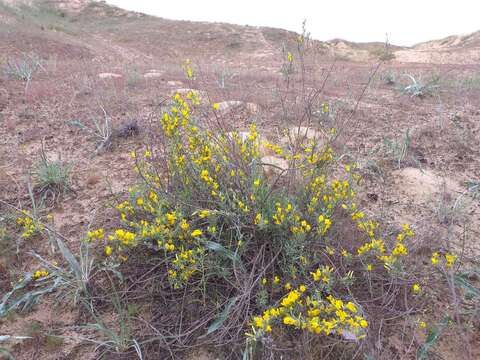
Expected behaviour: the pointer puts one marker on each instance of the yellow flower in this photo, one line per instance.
(40, 274)
(215, 106)
(303, 288)
(434, 258)
(287, 320)
(171, 217)
(416, 288)
(264, 281)
(330, 250)
(422, 324)
(108, 250)
(288, 286)
(256, 183)
(196, 233)
(139, 201)
(450, 260)
(369, 267)
(184, 225)
(204, 213)
(351, 306)
(289, 57)
(276, 280)
(258, 322)
(291, 298)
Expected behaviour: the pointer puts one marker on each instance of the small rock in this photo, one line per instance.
(274, 165)
(301, 133)
(152, 74)
(109, 75)
(225, 107)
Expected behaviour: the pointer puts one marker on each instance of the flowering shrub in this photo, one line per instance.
(288, 251)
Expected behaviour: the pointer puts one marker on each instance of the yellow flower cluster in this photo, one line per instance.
(313, 313)
(98, 234)
(449, 259)
(39, 274)
(29, 225)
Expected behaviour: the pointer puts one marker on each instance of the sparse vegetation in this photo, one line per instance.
(224, 231)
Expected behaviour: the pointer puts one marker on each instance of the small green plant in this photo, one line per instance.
(133, 77)
(5, 338)
(398, 149)
(53, 342)
(74, 279)
(23, 68)
(420, 89)
(117, 337)
(432, 339)
(224, 75)
(389, 78)
(450, 209)
(101, 131)
(6, 239)
(471, 82)
(473, 187)
(52, 177)
(25, 293)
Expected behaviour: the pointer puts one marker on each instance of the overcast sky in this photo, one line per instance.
(406, 22)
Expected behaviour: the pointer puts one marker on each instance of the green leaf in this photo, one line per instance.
(72, 261)
(471, 291)
(213, 246)
(222, 317)
(432, 338)
(7, 354)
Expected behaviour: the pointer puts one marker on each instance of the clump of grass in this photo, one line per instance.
(5, 338)
(473, 187)
(398, 148)
(52, 177)
(133, 77)
(224, 76)
(450, 209)
(101, 131)
(23, 68)
(54, 342)
(389, 78)
(116, 338)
